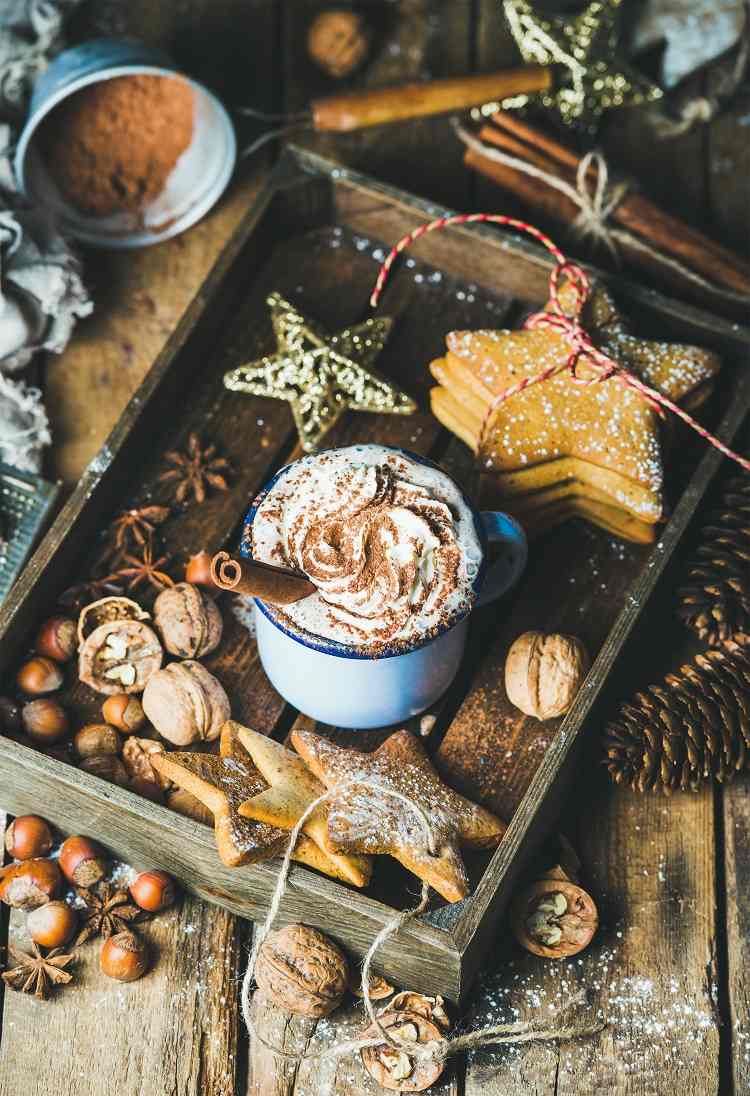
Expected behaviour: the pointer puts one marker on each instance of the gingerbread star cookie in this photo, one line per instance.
(364, 817)
(605, 433)
(221, 782)
(292, 789)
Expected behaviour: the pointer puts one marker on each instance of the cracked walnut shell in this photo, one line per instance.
(187, 620)
(186, 703)
(302, 971)
(543, 673)
(119, 657)
(396, 1069)
(554, 918)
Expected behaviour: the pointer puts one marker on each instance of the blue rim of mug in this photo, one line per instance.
(333, 646)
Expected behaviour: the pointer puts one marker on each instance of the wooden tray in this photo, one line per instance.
(317, 234)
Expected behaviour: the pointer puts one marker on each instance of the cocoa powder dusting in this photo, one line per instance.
(112, 146)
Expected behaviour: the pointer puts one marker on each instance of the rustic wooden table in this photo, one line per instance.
(669, 968)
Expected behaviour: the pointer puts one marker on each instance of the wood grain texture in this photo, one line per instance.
(735, 813)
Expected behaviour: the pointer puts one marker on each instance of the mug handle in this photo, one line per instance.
(507, 569)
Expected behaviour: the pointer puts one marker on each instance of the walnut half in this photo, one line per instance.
(394, 1068)
(119, 656)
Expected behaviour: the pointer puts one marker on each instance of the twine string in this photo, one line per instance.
(568, 324)
(433, 1050)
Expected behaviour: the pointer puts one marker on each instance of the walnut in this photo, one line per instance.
(543, 673)
(186, 703)
(302, 971)
(104, 611)
(554, 918)
(144, 778)
(395, 1069)
(432, 1008)
(187, 620)
(119, 657)
(338, 42)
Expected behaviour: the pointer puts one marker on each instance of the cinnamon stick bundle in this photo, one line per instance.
(646, 236)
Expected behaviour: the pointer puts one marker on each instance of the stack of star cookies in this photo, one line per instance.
(564, 447)
(388, 802)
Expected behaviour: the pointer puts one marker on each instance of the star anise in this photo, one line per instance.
(137, 527)
(144, 569)
(195, 470)
(106, 912)
(37, 973)
(79, 596)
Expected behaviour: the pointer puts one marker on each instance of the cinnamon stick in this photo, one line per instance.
(635, 212)
(276, 585)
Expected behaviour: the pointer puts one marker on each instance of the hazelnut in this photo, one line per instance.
(10, 715)
(56, 639)
(82, 861)
(187, 804)
(153, 891)
(52, 925)
(186, 703)
(543, 673)
(124, 957)
(96, 738)
(338, 41)
(395, 1069)
(554, 918)
(124, 712)
(45, 721)
(39, 676)
(188, 622)
(30, 884)
(28, 837)
(198, 573)
(302, 971)
(107, 767)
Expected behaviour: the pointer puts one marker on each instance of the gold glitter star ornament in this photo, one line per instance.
(585, 45)
(321, 375)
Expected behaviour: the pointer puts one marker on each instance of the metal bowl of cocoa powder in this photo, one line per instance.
(123, 148)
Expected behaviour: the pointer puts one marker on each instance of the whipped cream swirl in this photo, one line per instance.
(389, 543)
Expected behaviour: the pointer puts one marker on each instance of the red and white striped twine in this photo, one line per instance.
(555, 319)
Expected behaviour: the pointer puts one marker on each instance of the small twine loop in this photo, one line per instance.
(436, 1051)
(569, 325)
(598, 203)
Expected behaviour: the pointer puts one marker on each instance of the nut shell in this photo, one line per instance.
(535, 918)
(28, 837)
(302, 971)
(30, 884)
(395, 1070)
(186, 703)
(119, 657)
(82, 861)
(190, 806)
(153, 890)
(53, 924)
(57, 639)
(124, 957)
(543, 673)
(338, 42)
(124, 712)
(96, 738)
(38, 676)
(136, 757)
(45, 721)
(107, 767)
(106, 610)
(188, 621)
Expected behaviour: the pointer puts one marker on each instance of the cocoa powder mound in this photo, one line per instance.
(112, 146)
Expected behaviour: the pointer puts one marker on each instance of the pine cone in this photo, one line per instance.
(694, 726)
(715, 599)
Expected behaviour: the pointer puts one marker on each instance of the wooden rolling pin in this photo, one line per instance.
(359, 109)
(276, 585)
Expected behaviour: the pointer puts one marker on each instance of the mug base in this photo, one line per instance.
(358, 693)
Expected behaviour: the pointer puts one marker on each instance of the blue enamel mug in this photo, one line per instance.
(336, 683)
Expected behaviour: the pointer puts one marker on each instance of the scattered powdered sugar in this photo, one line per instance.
(243, 610)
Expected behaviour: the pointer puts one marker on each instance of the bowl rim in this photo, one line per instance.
(145, 237)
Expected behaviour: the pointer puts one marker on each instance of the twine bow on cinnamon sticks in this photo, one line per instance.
(569, 325)
(578, 193)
